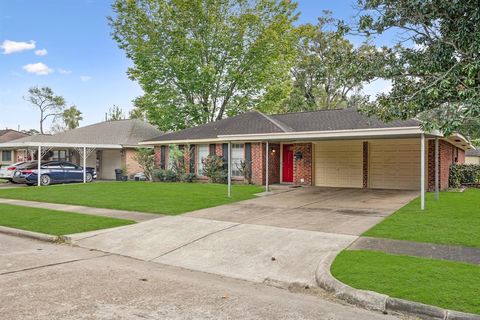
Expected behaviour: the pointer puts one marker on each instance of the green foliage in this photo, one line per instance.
(329, 70)
(435, 66)
(199, 61)
(115, 113)
(162, 175)
(72, 117)
(213, 168)
(245, 170)
(447, 284)
(146, 159)
(49, 104)
(463, 175)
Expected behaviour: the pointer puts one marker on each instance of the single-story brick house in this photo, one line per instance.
(107, 146)
(333, 148)
(8, 156)
(472, 156)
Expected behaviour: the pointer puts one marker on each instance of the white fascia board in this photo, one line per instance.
(197, 141)
(58, 145)
(377, 132)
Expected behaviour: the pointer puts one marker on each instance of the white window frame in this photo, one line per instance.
(238, 155)
(203, 151)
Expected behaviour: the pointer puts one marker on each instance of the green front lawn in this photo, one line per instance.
(451, 285)
(453, 220)
(164, 198)
(54, 222)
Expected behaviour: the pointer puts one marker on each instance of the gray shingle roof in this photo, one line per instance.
(10, 134)
(121, 132)
(472, 153)
(255, 122)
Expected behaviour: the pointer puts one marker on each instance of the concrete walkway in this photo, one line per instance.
(120, 214)
(418, 249)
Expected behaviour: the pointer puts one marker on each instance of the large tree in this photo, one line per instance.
(49, 104)
(435, 66)
(330, 72)
(200, 60)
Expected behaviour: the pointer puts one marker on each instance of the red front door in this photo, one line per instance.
(287, 163)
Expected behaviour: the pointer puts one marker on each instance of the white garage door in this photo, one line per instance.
(111, 160)
(339, 164)
(394, 164)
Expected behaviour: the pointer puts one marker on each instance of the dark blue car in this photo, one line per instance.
(52, 172)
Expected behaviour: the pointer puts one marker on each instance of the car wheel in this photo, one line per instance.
(89, 177)
(45, 180)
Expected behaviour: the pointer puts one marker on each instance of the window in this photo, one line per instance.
(7, 156)
(238, 155)
(202, 153)
(70, 166)
(59, 155)
(52, 165)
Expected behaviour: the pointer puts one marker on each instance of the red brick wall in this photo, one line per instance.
(365, 164)
(258, 163)
(302, 168)
(448, 154)
(157, 156)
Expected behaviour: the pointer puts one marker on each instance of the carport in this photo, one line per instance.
(42, 148)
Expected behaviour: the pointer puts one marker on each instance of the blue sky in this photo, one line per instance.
(67, 45)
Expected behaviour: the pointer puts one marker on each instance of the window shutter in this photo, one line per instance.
(192, 158)
(248, 155)
(225, 155)
(162, 157)
(212, 149)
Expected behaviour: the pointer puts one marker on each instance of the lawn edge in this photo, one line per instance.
(372, 300)
(31, 234)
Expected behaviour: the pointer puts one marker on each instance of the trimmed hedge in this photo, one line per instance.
(463, 174)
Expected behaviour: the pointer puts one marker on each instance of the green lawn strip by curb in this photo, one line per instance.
(449, 285)
(163, 198)
(453, 220)
(54, 222)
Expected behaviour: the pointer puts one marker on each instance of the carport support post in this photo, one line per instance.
(437, 195)
(229, 168)
(266, 167)
(422, 171)
(39, 160)
(84, 164)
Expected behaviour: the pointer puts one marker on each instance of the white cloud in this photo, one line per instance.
(85, 78)
(37, 68)
(10, 46)
(41, 52)
(64, 71)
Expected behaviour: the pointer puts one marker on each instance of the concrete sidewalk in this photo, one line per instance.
(242, 251)
(120, 214)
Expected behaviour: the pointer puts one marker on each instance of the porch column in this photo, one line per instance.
(266, 167)
(84, 164)
(229, 169)
(39, 162)
(437, 194)
(422, 171)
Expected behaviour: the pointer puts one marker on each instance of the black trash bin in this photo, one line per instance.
(118, 175)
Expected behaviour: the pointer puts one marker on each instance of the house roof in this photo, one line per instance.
(255, 122)
(9, 135)
(472, 153)
(120, 132)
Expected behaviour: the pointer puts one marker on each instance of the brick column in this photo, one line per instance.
(302, 168)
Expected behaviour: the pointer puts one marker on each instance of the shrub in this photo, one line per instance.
(146, 160)
(463, 174)
(161, 175)
(188, 177)
(214, 170)
(245, 170)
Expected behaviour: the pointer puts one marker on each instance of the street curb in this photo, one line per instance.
(380, 302)
(31, 234)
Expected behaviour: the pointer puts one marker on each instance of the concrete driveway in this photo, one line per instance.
(278, 238)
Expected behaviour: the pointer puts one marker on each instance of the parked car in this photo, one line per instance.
(7, 171)
(52, 172)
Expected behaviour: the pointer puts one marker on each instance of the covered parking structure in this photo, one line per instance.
(41, 149)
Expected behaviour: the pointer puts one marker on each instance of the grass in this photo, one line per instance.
(453, 220)
(163, 198)
(451, 285)
(54, 222)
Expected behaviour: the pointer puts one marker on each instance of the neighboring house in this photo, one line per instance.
(9, 156)
(472, 157)
(108, 146)
(334, 148)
